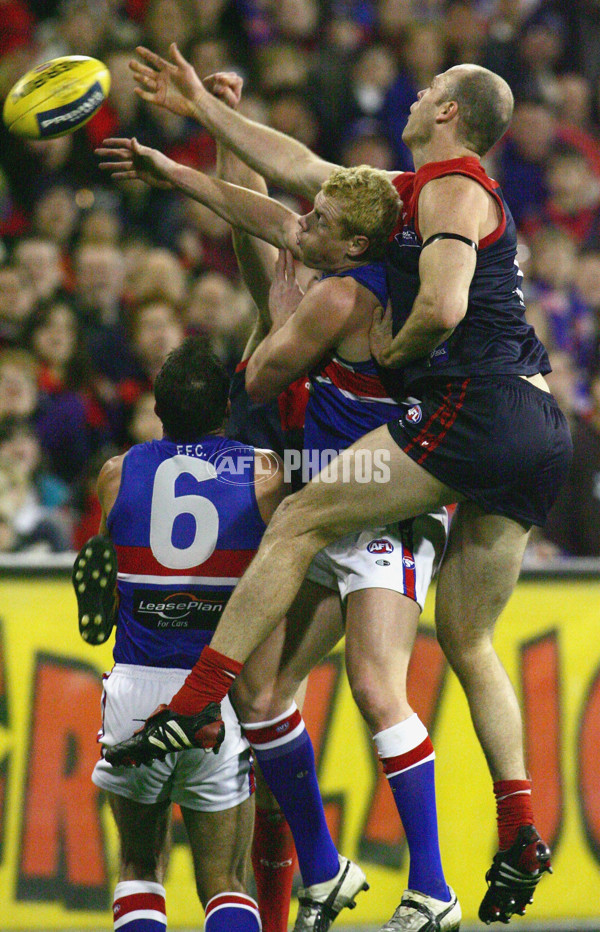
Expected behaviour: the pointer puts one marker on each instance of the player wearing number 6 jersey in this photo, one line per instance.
(185, 515)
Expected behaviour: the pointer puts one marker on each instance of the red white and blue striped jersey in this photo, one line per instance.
(348, 399)
(185, 525)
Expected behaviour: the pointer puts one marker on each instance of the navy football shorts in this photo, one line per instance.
(499, 440)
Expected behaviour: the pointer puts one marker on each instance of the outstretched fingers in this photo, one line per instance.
(151, 58)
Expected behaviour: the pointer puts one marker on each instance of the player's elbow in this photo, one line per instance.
(447, 309)
(257, 386)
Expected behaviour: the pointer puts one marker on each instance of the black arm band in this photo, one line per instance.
(437, 236)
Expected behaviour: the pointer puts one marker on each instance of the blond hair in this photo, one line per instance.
(370, 204)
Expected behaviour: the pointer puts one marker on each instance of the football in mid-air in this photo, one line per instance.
(57, 97)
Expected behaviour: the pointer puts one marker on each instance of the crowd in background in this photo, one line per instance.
(99, 281)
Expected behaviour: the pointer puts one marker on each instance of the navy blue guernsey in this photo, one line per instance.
(494, 337)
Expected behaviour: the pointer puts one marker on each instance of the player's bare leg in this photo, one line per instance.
(220, 844)
(381, 626)
(311, 519)
(145, 840)
(478, 575)
(329, 507)
(276, 669)
(264, 697)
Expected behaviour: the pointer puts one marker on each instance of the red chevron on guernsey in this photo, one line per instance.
(358, 383)
(140, 561)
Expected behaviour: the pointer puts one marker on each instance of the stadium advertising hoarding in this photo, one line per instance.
(58, 848)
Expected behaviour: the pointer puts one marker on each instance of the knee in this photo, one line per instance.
(261, 702)
(463, 644)
(380, 704)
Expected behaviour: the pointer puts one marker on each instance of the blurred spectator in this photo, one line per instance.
(520, 159)
(222, 313)
(282, 67)
(579, 24)
(39, 262)
(86, 506)
(394, 17)
(369, 149)
(588, 284)
(16, 302)
(297, 21)
(464, 29)
(100, 225)
(167, 21)
(82, 27)
(18, 384)
(573, 525)
(154, 329)
(69, 418)
(423, 56)
(292, 113)
(99, 289)
(55, 216)
(30, 498)
(561, 317)
(574, 104)
(572, 202)
(349, 25)
(563, 382)
(18, 25)
(159, 277)
(120, 114)
(359, 109)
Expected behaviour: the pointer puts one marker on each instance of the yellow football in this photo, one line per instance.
(57, 97)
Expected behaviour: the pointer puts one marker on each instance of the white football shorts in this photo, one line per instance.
(403, 557)
(196, 779)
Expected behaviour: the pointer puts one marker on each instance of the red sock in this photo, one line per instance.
(513, 809)
(273, 859)
(208, 681)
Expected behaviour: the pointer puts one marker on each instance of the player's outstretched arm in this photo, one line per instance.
(256, 259)
(258, 215)
(175, 85)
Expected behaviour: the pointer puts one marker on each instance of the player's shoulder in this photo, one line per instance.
(339, 291)
(452, 195)
(112, 467)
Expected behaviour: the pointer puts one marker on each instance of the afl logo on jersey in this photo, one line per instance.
(380, 546)
(414, 414)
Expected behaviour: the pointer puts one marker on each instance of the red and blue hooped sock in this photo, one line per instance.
(285, 754)
(407, 757)
(139, 906)
(231, 912)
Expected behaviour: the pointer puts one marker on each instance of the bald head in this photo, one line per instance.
(485, 105)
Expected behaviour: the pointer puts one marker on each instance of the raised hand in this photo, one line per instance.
(226, 86)
(128, 160)
(173, 84)
(285, 293)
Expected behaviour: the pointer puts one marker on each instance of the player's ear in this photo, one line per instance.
(358, 245)
(448, 110)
